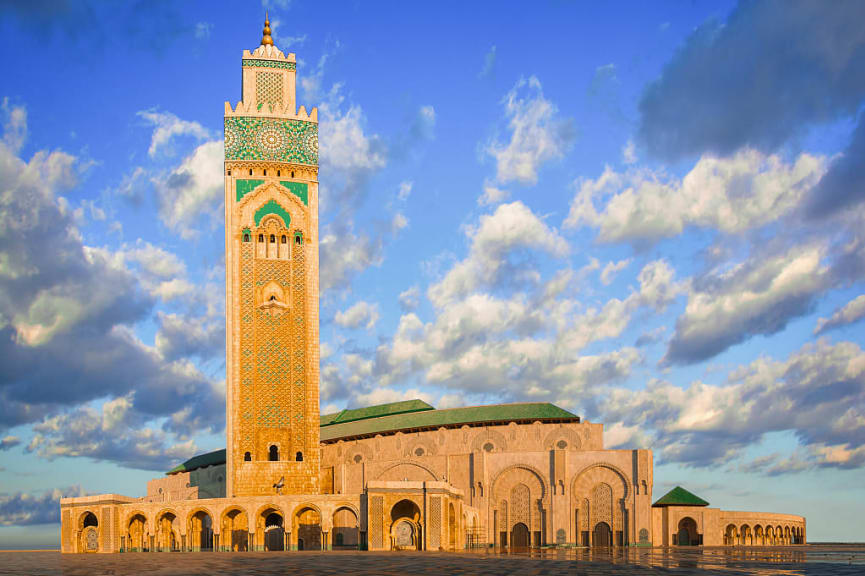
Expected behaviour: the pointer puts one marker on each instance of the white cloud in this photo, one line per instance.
(629, 153)
(538, 134)
(14, 125)
(851, 312)
(731, 194)
(169, 127)
(512, 227)
(612, 269)
(818, 393)
(360, 315)
(409, 299)
(203, 30)
(757, 297)
(405, 188)
(195, 188)
(492, 195)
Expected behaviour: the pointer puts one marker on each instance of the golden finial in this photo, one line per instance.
(266, 40)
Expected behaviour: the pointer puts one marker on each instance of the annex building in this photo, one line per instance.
(396, 476)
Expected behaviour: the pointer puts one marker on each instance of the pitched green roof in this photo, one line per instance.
(678, 496)
(448, 418)
(404, 407)
(408, 415)
(201, 461)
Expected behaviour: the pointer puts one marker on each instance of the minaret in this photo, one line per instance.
(271, 272)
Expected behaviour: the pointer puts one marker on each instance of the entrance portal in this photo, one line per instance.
(602, 535)
(520, 536)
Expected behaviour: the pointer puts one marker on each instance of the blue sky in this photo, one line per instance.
(648, 213)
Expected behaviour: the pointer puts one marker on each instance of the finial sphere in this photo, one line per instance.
(266, 40)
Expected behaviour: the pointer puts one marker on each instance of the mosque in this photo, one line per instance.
(396, 476)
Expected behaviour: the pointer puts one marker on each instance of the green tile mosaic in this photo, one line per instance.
(255, 63)
(271, 139)
(244, 187)
(299, 189)
(272, 207)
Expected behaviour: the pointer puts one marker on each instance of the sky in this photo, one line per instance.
(650, 214)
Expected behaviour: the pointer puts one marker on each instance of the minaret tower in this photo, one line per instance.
(271, 273)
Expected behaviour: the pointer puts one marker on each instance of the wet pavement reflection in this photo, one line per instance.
(816, 560)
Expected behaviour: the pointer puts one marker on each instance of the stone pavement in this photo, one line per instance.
(848, 560)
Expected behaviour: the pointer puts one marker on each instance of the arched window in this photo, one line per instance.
(273, 454)
(250, 171)
(265, 172)
(298, 238)
(284, 239)
(229, 172)
(299, 457)
(272, 298)
(278, 173)
(246, 237)
(292, 173)
(247, 457)
(272, 238)
(261, 237)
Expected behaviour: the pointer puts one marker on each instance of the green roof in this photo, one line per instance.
(410, 415)
(678, 496)
(214, 458)
(448, 418)
(404, 407)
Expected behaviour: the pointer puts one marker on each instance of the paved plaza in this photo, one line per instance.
(817, 560)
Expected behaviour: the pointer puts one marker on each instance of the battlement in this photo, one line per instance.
(269, 52)
(270, 110)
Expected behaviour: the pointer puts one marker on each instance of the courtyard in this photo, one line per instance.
(815, 559)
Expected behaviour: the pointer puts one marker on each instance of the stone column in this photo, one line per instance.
(250, 543)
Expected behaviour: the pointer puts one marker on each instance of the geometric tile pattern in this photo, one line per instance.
(260, 139)
(270, 64)
(268, 88)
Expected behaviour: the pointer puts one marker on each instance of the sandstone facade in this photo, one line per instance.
(400, 475)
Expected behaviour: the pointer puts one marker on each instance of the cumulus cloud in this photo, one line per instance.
(27, 509)
(611, 269)
(360, 315)
(759, 296)
(181, 336)
(851, 312)
(409, 299)
(512, 228)
(492, 195)
(731, 86)
(66, 316)
(192, 189)
(537, 134)
(818, 393)
(168, 126)
(9, 442)
(746, 190)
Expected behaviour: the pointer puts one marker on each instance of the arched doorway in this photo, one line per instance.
(201, 531)
(602, 535)
(308, 529)
(745, 535)
(136, 534)
(731, 535)
(166, 535)
(274, 532)
(345, 534)
(687, 534)
(235, 531)
(520, 536)
(405, 526)
(88, 526)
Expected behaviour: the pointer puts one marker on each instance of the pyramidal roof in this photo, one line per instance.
(678, 496)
